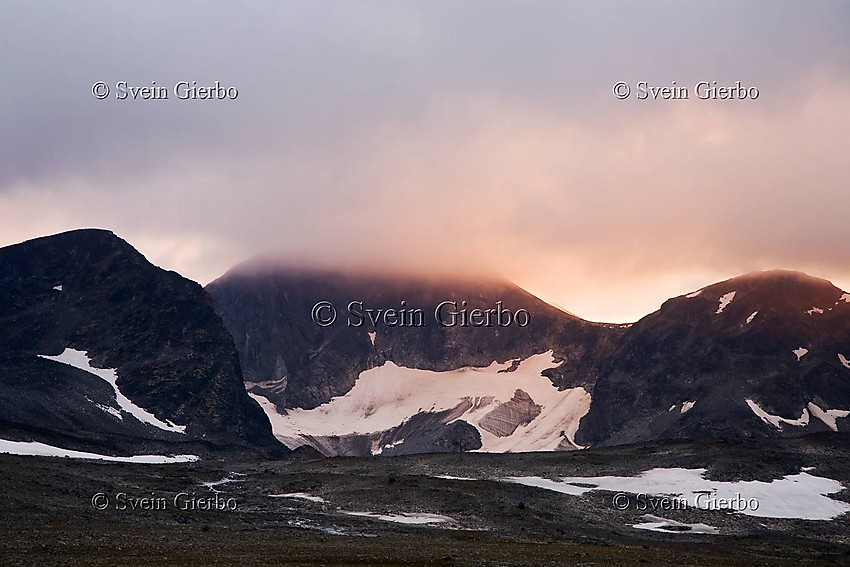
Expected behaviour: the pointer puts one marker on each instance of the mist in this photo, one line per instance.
(436, 138)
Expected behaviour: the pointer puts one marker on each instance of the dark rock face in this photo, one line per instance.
(296, 363)
(90, 291)
(717, 351)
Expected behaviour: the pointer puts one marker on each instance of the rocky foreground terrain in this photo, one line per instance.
(298, 511)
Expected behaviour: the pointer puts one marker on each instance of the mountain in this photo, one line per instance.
(295, 367)
(763, 355)
(102, 351)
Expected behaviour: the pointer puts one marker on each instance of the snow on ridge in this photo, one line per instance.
(802, 496)
(658, 524)
(694, 294)
(34, 448)
(800, 352)
(776, 420)
(845, 298)
(80, 359)
(751, 317)
(843, 360)
(827, 416)
(686, 407)
(725, 300)
(384, 397)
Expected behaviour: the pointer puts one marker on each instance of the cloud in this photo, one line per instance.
(482, 137)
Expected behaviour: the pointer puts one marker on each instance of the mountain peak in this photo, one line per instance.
(780, 289)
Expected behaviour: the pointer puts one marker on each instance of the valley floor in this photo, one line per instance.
(403, 511)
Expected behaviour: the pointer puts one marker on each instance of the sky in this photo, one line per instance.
(475, 137)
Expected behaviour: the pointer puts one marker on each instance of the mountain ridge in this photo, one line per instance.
(736, 343)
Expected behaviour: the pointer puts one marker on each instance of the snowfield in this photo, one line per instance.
(403, 518)
(79, 359)
(801, 496)
(33, 448)
(389, 395)
(657, 524)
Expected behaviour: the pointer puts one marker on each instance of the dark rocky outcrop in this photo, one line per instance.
(717, 351)
(91, 291)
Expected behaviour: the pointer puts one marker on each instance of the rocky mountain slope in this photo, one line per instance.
(766, 354)
(761, 354)
(101, 350)
(291, 362)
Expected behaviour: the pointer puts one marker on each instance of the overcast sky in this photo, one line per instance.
(440, 135)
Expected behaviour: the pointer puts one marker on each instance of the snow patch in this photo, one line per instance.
(376, 448)
(800, 352)
(801, 496)
(300, 496)
(657, 524)
(671, 408)
(751, 317)
(389, 395)
(108, 409)
(827, 416)
(843, 360)
(814, 310)
(561, 486)
(776, 420)
(33, 448)
(725, 300)
(694, 294)
(226, 480)
(59, 288)
(845, 297)
(80, 359)
(372, 336)
(686, 407)
(403, 518)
